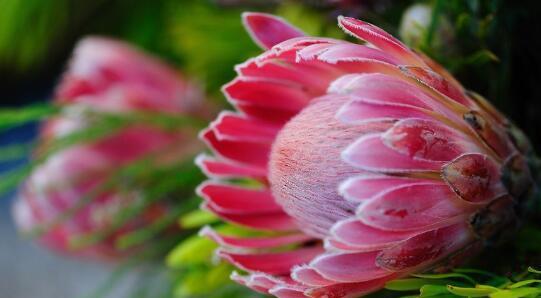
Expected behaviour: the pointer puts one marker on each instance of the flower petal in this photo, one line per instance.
(253, 242)
(412, 207)
(272, 263)
(350, 267)
(268, 30)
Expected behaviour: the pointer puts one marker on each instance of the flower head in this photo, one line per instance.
(373, 162)
(72, 194)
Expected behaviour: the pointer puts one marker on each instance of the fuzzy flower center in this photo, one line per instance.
(306, 167)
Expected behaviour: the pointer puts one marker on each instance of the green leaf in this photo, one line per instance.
(10, 117)
(531, 269)
(194, 250)
(524, 283)
(409, 284)
(446, 275)
(517, 293)
(470, 292)
(197, 219)
(433, 290)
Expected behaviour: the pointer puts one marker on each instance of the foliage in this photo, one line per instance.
(471, 283)
(491, 46)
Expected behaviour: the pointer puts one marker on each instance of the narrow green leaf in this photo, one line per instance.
(197, 219)
(532, 270)
(517, 293)
(409, 284)
(470, 292)
(10, 117)
(447, 275)
(524, 283)
(433, 290)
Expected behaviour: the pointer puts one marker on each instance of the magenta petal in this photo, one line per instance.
(253, 242)
(371, 154)
(314, 76)
(391, 90)
(425, 248)
(278, 221)
(286, 292)
(260, 282)
(474, 177)
(272, 263)
(364, 187)
(267, 92)
(439, 83)
(428, 140)
(235, 127)
(363, 237)
(350, 267)
(268, 30)
(412, 207)
(245, 152)
(310, 277)
(358, 111)
(380, 39)
(237, 200)
(216, 168)
(348, 290)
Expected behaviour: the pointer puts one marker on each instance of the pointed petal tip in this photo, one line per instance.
(268, 30)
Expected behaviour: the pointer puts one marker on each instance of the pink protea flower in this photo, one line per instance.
(373, 163)
(105, 76)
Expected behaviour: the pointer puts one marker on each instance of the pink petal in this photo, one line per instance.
(492, 133)
(348, 290)
(380, 39)
(371, 154)
(427, 140)
(412, 207)
(266, 92)
(277, 116)
(268, 30)
(383, 89)
(234, 127)
(313, 76)
(363, 237)
(352, 267)
(259, 282)
(285, 292)
(216, 168)
(332, 53)
(358, 111)
(474, 177)
(394, 89)
(245, 152)
(310, 277)
(253, 242)
(271, 263)
(426, 248)
(278, 221)
(237, 200)
(365, 187)
(439, 83)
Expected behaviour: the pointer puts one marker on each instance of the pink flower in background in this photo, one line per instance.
(105, 76)
(373, 162)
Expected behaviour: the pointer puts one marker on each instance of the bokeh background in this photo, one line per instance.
(492, 46)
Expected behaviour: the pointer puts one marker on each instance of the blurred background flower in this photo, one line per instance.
(489, 45)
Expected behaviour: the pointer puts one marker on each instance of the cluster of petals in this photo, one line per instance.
(67, 196)
(371, 161)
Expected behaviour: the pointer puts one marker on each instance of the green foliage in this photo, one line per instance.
(197, 272)
(470, 283)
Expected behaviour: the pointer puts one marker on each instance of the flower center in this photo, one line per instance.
(306, 167)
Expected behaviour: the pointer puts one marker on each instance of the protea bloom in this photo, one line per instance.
(66, 197)
(373, 163)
